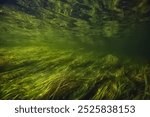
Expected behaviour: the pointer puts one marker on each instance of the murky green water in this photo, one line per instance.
(41, 60)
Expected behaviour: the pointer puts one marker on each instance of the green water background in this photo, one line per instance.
(63, 58)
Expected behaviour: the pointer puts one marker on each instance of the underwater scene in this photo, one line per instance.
(74, 49)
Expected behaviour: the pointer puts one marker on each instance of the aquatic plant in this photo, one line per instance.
(74, 49)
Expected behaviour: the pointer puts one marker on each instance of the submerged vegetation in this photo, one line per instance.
(74, 49)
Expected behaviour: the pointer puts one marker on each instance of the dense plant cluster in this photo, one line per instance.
(74, 49)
